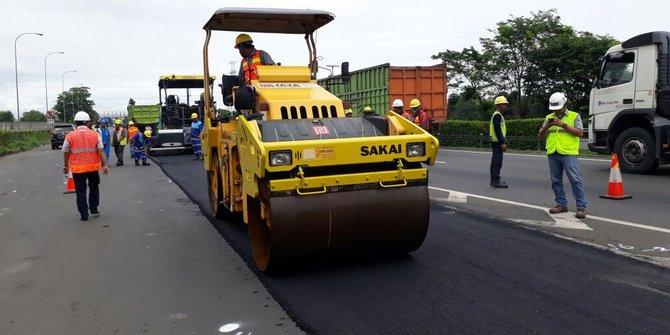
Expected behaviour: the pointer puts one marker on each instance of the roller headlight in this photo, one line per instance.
(279, 158)
(416, 149)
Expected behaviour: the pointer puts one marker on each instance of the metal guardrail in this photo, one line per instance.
(16, 126)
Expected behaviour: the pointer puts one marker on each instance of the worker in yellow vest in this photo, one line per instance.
(563, 129)
(498, 134)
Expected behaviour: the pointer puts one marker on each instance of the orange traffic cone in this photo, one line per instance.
(615, 187)
(69, 187)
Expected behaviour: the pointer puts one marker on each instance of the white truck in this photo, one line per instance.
(629, 110)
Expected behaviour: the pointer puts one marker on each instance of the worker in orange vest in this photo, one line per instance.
(420, 116)
(251, 58)
(83, 155)
(132, 130)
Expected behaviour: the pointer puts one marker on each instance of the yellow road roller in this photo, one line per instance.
(307, 180)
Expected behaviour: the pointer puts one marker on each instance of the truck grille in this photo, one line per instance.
(316, 112)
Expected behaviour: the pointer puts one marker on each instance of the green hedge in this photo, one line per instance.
(521, 134)
(15, 141)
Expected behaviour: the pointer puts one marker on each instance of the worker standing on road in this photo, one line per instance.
(498, 134)
(132, 130)
(563, 129)
(196, 129)
(83, 156)
(119, 139)
(106, 137)
(138, 149)
(251, 58)
(397, 107)
(420, 116)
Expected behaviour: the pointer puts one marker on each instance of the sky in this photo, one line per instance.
(119, 48)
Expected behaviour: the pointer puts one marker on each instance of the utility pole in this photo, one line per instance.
(46, 91)
(16, 74)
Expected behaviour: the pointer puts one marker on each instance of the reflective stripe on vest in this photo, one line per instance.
(559, 140)
(503, 127)
(250, 72)
(84, 155)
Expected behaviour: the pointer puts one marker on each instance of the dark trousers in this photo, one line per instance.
(496, 161)
(118, 150)
(80, 180)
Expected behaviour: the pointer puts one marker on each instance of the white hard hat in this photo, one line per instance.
(557, 101)
(82, 117)
(397, 103)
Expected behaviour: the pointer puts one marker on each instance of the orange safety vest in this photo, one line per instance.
(132, 131)
(84, 156)
(250, 72)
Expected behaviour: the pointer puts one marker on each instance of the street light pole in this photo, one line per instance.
(62, 78)
(16, 73)
(46, 91)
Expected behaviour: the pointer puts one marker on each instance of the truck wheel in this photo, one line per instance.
(635, 148)
(54, 147)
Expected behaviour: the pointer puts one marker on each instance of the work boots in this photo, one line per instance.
(498, 184)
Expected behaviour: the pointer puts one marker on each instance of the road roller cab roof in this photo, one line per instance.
(268, 20)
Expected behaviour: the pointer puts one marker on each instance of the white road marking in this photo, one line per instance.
(522, 155)
(594, 217)
(440, 162)
(562, 220)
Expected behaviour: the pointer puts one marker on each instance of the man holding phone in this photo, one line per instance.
(563, 129)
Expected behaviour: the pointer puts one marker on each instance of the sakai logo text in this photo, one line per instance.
(381, 149)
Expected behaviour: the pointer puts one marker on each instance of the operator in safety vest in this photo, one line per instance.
(119, 139)
(196, 129)
(83, 155)
(498, 134)
(563, 129)
(251, 58)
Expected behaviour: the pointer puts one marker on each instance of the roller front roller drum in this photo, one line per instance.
(379, 220)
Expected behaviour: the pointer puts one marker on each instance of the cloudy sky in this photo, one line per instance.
(120, 47)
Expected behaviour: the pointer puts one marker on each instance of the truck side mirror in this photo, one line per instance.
(345, 72)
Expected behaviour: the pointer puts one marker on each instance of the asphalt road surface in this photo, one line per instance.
(151, 264)
(473, 274)
(637, 226)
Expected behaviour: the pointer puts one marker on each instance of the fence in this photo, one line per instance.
(16, 126)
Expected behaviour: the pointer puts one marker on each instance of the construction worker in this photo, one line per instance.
(196, 129)
(138, 148)
(132, 129)
(119, 140)
(348, 112)
(83, 155)
(103, 131)
(420, 116)
(148, 140)
(498, 134)
(251, 58)
(368, 112)
(563, 129)
(398, 108)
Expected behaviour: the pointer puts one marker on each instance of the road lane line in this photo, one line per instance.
(594, 217)
(522, 155)
(440, 162)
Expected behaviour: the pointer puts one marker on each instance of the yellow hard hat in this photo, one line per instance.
(415, 103)
(147, 133)
(131, 123)
(117, 121)
(501, 100)
(348, 111)
(194, 116)
(242, 38)
(367, 109)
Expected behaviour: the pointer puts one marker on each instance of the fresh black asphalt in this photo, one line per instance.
(472, 275)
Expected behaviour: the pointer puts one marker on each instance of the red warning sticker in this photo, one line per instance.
(321, 130)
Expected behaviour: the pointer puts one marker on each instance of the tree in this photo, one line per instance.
(6, 116)
(468, 69)
(33, 116)
(74, 100)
